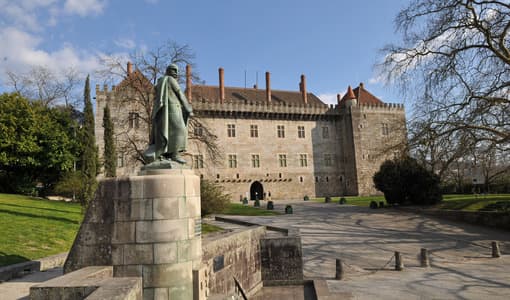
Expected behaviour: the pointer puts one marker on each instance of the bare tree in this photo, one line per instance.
(138, 89)
(454, 61)
(46, 85)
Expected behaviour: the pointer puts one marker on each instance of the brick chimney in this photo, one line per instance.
(268, 87)
(361, 85)
(302, 86)
(129, 68)
(222, 85)
(188, 82)
(338, 98)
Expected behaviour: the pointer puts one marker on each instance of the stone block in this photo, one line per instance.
(183, 292)
(123, 233)
(127, 288)
(192, 207)
(128, 271)
(117, 255)
(161, 293)
(141, 209)
(167, 208)
(165, 253)
(148, 294)
(135, 254)
(191, 228)
(123, 189)
(183, 250)
(196, 249)
(122, 210)
(167, 275)
(192, 186)
(160, 231)
(163, 186)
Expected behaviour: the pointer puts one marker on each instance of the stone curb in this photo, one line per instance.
(24, 268)
(287, 232)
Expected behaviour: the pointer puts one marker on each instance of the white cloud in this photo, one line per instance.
(125, 43)
(328, 98)
(20, 52)
(84, 7)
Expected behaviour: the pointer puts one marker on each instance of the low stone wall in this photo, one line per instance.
(491, 219)
(234, 255)
(21, 269)
(281, 260)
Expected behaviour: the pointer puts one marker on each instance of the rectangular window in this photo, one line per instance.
(198, 130)
(301, 132)
(385, 129)
(198, 161)
(325, 132)
(282, 160)
(120, 160)
(232, 160)
(134, 120)
(255, 160)
(303, 160)
(231, 130)
(254, 131)
(281, 131)
(328, 160)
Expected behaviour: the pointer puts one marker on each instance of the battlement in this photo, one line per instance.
(381, 107)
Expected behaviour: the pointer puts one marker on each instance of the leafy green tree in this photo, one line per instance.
(36, 145)
(110, 155)
(404, 181)
(212, 198)
(89, 165)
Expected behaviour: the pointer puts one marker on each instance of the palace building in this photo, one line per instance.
(273, 144)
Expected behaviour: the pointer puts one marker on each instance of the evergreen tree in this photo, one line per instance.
(89, 157)
(110, 155)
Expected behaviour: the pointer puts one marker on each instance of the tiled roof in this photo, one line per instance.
(211, 93)
(135, 80)
(364, 97)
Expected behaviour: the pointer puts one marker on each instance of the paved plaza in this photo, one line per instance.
(365, 239)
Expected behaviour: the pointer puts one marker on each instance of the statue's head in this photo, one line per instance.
(172, 70)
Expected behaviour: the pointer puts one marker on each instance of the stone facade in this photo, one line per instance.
(286, 144)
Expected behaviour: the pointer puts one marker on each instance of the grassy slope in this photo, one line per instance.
(245, 210)
(33, 228)
(359, 201)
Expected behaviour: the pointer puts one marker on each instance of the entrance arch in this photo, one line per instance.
(256, 191)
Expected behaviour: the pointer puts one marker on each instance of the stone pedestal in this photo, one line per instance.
(157, 231)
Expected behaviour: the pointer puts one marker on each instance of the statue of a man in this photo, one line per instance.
(169, 121)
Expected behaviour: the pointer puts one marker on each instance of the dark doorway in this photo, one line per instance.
(256, 191)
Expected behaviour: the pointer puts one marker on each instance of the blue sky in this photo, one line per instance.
(335, 43)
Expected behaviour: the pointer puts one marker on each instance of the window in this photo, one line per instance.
(328, 160)
(325, 132)
(198, 130)
(301, 132)
(231, 130)
(198, 161)
(300, 178)
(120, 160)
(134, 120)
(282, 160)
(232, 160)
(385, 129)
(255, 161)
(254, 131)
(303, 160)
(281, 131)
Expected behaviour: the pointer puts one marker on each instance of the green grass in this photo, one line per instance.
(246, 210)
(470, 202)
(208, 228)
(32, 228)
(358, 201)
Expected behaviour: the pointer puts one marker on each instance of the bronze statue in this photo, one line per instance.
(169, 122)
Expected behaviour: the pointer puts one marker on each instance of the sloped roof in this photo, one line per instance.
(211, 93)
(365, 97)
(135, 80)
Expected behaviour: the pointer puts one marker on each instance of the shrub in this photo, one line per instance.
(306, 198)
(288, 209)
(381, 204)
(404, 181)
(327, 199)
(373, 204)
(270, 205)
(342, 200)
(212, 197)
(256, 203)
(245, 201)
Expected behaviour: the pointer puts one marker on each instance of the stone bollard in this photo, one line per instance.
(399, 264)
(157, 231)
(424, 258)
(495, 250)
(339, 274)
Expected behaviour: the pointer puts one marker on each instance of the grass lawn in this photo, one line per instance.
(470, 202)
(208, 228)
(247, 210)
(32, 228)
(353, 200)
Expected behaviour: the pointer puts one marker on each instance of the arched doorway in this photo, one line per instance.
(256, 191)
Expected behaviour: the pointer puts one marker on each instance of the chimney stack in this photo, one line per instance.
(361, 85)
(338, 98)
(302, 86)
(222, 85)
(268, 87)
(129, 68)
(188, 82)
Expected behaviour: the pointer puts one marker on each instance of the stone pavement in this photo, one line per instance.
(365, 239)
(20, 288)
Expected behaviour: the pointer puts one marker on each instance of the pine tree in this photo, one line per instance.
(89, 157)
(110, 156)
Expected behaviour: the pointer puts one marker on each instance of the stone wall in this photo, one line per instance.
(233, 255)
(281, 260)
